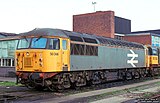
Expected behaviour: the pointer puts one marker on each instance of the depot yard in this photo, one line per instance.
(118, 91)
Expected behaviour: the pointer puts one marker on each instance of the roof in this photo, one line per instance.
(7, 34)
(157, 31)
(81, 37)
(44, 32)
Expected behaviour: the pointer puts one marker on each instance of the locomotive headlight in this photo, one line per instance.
(27, 53)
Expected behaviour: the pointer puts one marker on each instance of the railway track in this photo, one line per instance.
(32, 95)
(5, 98)
(156, 96)
(152, 99)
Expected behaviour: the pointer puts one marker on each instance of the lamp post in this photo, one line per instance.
(94, 3)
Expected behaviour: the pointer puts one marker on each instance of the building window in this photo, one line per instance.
(7, 62)
(118, 37)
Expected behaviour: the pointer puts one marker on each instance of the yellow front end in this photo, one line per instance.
(38, 60)
(152, 60)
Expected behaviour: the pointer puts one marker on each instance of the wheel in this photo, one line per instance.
(96, 78)
(136, 75)
(52, 88)
(30, 85)
(60, 83)
(128, 75)
(39, 88)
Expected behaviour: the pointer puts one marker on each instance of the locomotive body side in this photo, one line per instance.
(110, 58)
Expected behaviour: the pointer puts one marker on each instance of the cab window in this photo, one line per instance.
(154, 52)
(64, 44)
(24, 43)
(54, 44)
(39, 42)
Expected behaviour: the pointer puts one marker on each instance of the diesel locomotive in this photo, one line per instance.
(57, 59)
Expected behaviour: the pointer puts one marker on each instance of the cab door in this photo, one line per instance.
(65, 55)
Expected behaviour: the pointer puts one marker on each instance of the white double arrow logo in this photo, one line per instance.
(132, 61)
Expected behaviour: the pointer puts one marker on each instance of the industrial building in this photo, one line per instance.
(99, 23)
(149, 37)
(8, 42)
(102, 23)
(105, 23)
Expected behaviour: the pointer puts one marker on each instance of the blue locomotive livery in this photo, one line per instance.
(59, 59)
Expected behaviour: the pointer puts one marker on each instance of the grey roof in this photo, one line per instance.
(157, 31)
(7, 34)
(76, 36)
(45, 32)
(55, 32)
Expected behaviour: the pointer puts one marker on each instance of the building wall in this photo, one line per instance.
(143, 39)
(7, 72)
(122, 25)
(100, 23)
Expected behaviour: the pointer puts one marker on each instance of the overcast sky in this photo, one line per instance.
(17, 16)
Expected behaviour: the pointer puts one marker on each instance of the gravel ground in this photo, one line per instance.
(121, 93)
(95, 95)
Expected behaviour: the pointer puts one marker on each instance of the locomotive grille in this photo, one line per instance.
(27, 61)
(154, 58)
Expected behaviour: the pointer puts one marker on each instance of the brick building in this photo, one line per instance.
(149, 37)
(99, 23)
(102, 23)
(143, 38)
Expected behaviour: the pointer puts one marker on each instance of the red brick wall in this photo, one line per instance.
(143, 39)
(99, 23)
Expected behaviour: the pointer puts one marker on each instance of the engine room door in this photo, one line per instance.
(65, 55)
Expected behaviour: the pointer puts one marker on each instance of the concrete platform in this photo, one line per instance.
(116, 99)
(7, 79)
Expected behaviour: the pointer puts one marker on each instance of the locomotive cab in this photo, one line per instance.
(37, 55)
(152, 56)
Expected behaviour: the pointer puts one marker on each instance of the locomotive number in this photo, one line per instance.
(54, 54)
